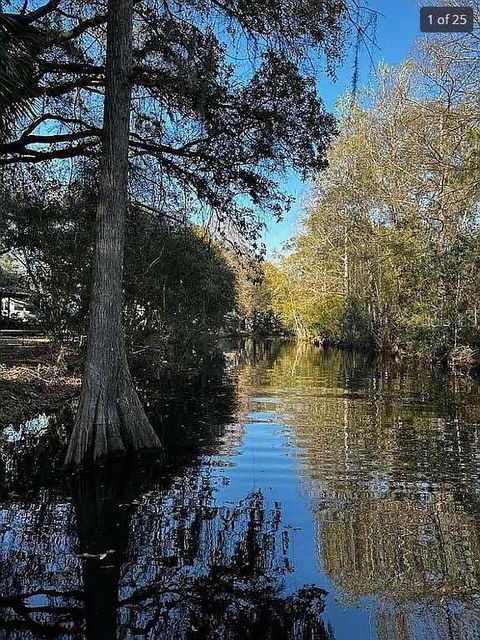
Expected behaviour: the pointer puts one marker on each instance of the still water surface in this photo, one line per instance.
(305, 494)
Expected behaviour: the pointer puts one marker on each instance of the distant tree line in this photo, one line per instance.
(389, 254)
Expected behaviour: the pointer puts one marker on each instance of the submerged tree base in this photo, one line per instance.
(110, 421)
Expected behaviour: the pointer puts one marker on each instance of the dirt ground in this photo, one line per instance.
(31, 381)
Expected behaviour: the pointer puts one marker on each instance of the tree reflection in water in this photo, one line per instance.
(390, 460)
(145, 552)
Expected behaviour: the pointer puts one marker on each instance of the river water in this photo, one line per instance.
(303, 494)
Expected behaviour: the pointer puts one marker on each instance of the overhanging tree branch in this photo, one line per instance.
(42, 11)
(20, 145)
(81, 28)
(58, 118)
(84, 150)
(70, 67)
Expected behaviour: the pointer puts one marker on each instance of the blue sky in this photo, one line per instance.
(397, 29)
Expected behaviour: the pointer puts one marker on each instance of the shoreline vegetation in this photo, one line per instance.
(39, 376)
(112, 152)
(388, 256)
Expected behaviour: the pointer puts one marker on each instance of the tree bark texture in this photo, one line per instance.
(110, 418)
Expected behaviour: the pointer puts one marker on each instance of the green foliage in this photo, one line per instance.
(20, 43)
(177, 283)
(9, 276)
(206, 126)
(389, 253)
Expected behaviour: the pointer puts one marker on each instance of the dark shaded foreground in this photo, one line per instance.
(143, 551)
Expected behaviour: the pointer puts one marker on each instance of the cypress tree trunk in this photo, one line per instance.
(110, 418)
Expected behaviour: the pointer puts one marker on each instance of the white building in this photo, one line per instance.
(16, 306)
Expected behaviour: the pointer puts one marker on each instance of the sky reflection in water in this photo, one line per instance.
(288, 467)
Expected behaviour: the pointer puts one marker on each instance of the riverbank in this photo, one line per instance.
(35, 377)
(26, 390)
(31, 379)
(462, 358)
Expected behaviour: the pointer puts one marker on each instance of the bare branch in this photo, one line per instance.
(85, 150)
(81, 28)
(42, 11)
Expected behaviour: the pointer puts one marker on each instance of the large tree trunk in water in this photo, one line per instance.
(110, 418)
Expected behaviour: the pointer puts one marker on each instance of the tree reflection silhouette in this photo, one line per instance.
(206, 572)
(145, 551)
(392, 476)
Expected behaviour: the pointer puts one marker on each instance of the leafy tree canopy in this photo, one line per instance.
(224, 97)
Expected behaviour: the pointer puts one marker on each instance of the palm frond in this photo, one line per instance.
(19, 46)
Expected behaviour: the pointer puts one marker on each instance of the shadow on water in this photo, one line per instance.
(145, 551)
